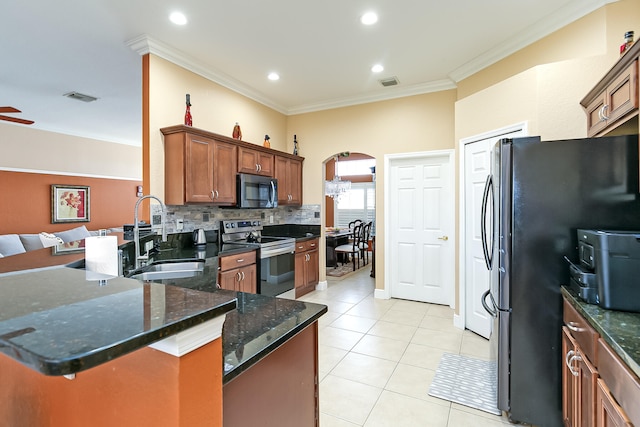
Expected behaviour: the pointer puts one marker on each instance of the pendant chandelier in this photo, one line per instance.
(337, 187)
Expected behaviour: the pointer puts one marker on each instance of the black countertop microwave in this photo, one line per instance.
(255, 191)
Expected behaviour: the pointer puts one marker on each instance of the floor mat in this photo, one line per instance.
(467, 381)
(341, 270)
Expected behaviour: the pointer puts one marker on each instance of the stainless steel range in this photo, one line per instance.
(276, 254)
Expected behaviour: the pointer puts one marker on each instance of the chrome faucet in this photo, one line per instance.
(136, 228)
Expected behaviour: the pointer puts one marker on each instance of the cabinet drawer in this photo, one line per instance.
(624, 385)
(306, 245)
(581, 331)
(230, 262)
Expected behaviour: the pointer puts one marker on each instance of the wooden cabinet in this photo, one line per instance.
(255, 162)
(238, 272)
(288, 172)
(199, 169)
(307, 260)
(598, 390)
(614, 100)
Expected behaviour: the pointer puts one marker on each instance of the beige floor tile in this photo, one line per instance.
(354, 323)
(337, 306)
(384, 348)
(440, 311)
(339, 338)
(443, 324)
(410, 318)
(411, 306)
(327, 420)
(365, 369)
(463, 418)
(395, 410)
(348, 400)
(415, 382)
(372, 308)
(394, 331)
(474, 346)
(329, 357)
(444, 340)
(327, 319)
(422, 356)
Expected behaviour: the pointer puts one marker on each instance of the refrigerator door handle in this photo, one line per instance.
(492, 311)
(488, 255)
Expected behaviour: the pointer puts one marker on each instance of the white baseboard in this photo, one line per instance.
(458, 321)
(322, 286)
(381, 294)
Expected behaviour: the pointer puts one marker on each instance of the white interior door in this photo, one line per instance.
(421, 226)
(476, 168)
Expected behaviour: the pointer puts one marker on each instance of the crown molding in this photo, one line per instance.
(145, 44)
(563, 17)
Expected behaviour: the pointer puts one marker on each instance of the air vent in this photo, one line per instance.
(391, 81)
(80, 96)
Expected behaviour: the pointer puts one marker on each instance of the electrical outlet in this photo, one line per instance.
(156, 219)
(148, 246)
(205, 217)
(179, 224)
(270, 219)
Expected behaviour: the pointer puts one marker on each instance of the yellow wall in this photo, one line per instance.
(214, 108)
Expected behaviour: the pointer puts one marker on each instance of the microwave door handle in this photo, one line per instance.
(274, 195)
(488, 257)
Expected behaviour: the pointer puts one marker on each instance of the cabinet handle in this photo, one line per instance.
(571, 360)
(217, 194)
(239, 276)
(569, 354)
(259, 168)
(574, 326)
(213, 195)
(240, 260)
(605, 107)
(243, 276)
(313, 245)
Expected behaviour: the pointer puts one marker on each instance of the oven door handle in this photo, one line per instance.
(269, 252)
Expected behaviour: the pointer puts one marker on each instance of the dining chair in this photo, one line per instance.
(352, 249)
(364, 244)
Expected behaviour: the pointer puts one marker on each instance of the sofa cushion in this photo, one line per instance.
(10, 244)
(31, 241)
(74, 234)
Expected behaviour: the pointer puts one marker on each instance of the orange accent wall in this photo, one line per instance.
(25, 202)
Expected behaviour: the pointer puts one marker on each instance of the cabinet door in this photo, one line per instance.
(295, 182)
(622, 94)
(569, 392)
(198, 170)
(313, 264)
(229, 279)
(609, 413)
(299, 269)
(248, 281)
(586, 388)
(225, 161)
(255, 162)
(281, 171)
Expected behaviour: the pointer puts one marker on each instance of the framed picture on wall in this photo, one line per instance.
(69, 203)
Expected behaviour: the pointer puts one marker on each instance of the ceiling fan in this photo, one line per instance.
(13, 119)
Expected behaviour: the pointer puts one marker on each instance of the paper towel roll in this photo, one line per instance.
(101, 256)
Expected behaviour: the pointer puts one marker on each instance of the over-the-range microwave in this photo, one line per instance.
(255, 191)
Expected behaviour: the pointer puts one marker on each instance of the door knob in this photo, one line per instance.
(445, 238)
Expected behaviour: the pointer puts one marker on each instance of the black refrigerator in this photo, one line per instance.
(538, 194)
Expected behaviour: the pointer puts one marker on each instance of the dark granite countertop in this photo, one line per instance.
(58, 323)
(298, 231)
(619, 329)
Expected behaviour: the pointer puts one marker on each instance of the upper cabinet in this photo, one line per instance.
(613, 102)
(288, 172)
(201, 167)
(255, 162)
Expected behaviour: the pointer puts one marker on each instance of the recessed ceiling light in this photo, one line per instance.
(178, 18)
(369, 18)
(274, 76)
(377, 68)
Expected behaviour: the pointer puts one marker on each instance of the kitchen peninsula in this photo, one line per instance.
(77, 353)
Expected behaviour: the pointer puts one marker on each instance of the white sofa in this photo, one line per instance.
(13, 244)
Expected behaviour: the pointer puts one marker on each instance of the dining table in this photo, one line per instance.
(334, 239)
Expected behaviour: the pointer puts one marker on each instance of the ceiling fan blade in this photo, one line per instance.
(9, 110)
(16, 120)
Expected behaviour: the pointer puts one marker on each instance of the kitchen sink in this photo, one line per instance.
(168, 270)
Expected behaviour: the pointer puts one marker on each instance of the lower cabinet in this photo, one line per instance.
(598, 390)
(238, 272)
(307, 262)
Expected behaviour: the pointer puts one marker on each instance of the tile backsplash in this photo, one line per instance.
(209, 217)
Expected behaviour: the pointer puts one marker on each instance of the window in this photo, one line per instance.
(358, 203)
(356, 167)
